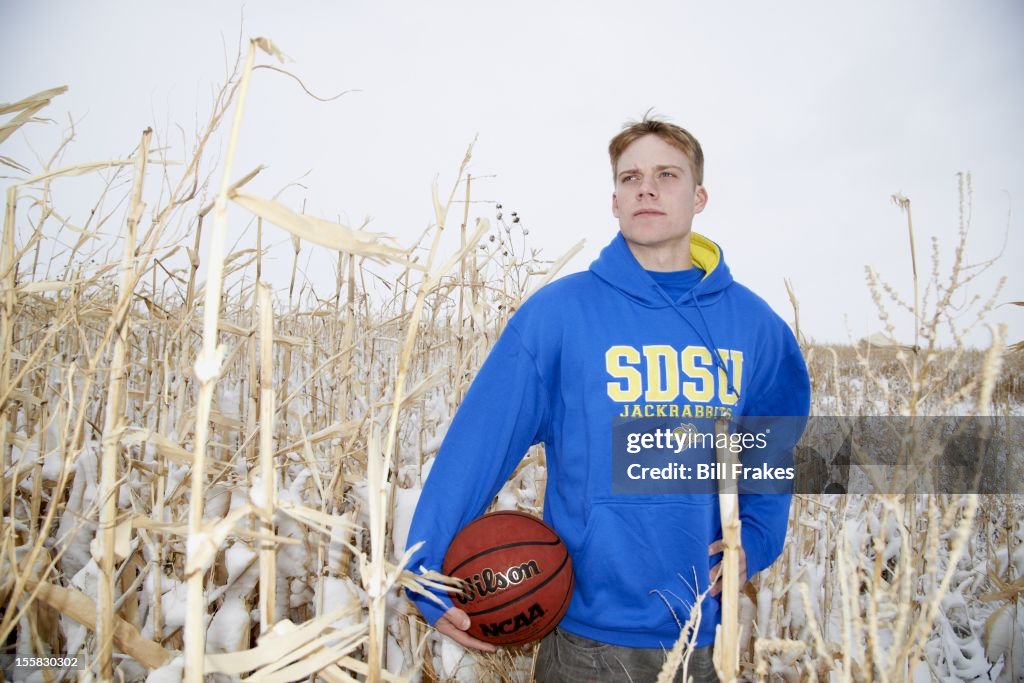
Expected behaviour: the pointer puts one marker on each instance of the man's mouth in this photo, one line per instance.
(649, 212)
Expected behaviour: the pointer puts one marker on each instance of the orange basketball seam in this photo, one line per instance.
(495, 549)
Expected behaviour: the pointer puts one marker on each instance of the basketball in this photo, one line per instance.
(517, 577)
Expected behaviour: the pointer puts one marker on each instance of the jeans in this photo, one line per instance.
(566, 657)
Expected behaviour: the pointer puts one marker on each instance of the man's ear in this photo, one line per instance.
(615, 205)
(700, 199)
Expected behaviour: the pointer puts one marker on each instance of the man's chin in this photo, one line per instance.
(653, 239)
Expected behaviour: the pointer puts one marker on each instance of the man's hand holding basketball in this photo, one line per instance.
(716, 571)
(454, 623)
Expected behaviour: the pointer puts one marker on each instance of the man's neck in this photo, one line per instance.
(663, 258)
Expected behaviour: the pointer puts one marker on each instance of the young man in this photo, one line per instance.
(656, 324)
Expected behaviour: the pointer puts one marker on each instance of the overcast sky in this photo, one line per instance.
(811, 117)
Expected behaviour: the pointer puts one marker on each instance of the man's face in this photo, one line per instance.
(655, 199)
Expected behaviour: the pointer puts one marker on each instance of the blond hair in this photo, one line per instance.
(678, 137)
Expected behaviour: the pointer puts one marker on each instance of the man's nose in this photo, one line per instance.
(647, 187)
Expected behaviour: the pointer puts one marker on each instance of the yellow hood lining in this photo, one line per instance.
(704, 253)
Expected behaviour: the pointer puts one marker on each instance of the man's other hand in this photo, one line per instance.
(454, 623)
(716, 571)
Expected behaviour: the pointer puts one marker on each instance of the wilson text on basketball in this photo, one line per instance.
(489, 581)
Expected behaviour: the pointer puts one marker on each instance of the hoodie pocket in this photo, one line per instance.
(643, 561)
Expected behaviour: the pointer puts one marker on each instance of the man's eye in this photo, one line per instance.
(669, 174)
(628, 178)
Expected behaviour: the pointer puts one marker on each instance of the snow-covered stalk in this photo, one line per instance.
(378, 542)
(727, 654)
(251, 413)
(207, 368)
(460, 332)
(7, 263)
(904, 204)
(159, 494)
(114, 422)
(37, 474)
(268, 479)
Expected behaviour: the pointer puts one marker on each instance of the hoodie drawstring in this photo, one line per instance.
(709, 340)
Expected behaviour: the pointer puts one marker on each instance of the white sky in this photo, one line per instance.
(811, 116)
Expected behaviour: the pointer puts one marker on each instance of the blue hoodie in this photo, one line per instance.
(571, 360)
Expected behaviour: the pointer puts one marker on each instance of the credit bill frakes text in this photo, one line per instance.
(713, 471)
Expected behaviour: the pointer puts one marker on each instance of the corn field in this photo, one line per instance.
(205, 476)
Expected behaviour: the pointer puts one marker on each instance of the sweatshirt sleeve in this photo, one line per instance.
(782, 391)
(503, 413)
